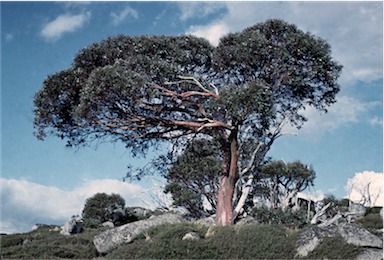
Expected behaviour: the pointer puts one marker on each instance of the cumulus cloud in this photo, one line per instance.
(212, 32)
(66, 23)
(24, 203)
(118, 18)
(366, 188)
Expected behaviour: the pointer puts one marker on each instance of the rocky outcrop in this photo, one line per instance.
(111, 238)
(370, 254)
(72, 227)
(352, 233)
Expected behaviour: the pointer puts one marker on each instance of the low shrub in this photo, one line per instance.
(335, 248)
(288, 218)
(372, 222)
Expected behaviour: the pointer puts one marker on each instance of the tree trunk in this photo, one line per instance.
(224, 210)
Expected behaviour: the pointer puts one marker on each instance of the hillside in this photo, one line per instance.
(165, 242)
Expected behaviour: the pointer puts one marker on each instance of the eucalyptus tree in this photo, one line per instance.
(148, 90)
(283, 181)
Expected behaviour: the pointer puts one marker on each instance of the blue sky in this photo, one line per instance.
(41, 38)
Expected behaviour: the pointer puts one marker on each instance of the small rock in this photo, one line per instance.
(108, 224)
(56, 229)
(357, 209)
(191, 236)
(72, 227)
(247, 221)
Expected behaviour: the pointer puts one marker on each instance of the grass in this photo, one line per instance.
(233, 242)
(261, 241)
(45, 244)
(335, 248)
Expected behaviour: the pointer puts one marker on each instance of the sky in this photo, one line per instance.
(45, 182)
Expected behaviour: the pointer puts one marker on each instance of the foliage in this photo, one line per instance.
(114, 89)
(100, 208)
(338, 205)
(146, 90)
(231, 242)
(372, 222)
(287, 218)
(45, 244)
(282, 181)
(335, 248)
(265, 242)
(193, 177)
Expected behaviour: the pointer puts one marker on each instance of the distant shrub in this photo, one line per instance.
(371, 221)
(100, 207)
(373, 210)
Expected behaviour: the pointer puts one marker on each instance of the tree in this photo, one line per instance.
(148, 90)
(194, 177)
(283, 181)
(100, 207)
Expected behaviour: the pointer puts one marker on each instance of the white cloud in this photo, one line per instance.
(376, 121)
(366, 188)
(118, 18)
(212, 32)
(346, 110)
(24, 203)
(55, 29)
(200, 10)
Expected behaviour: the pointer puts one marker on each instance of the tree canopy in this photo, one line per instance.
(100, 207)
(149, 89)
(282, 181)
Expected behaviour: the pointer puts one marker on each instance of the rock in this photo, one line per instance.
(370, 254)
(108, 224)
(247, 221)
(111, 238)
(358, 236)
(381, 213)
(312, 237)
(55, 229)
(191, 236)
(208, 221)
(352, 233)
(37, 226)
(357, 209)
(72, 227)
(140, 212)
